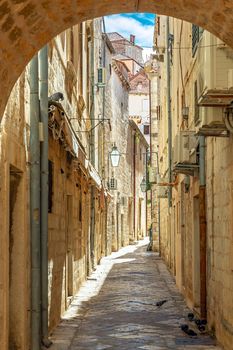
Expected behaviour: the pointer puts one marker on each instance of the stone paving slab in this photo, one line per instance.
(116, 308)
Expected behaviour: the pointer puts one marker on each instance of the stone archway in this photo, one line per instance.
(26, 25)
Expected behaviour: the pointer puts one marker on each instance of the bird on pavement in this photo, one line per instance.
(185, 329)
(190, 316)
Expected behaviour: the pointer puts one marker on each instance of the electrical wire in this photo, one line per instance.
(160, 47)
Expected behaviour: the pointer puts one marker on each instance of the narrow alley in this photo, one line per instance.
(117, 308)
(116, 174)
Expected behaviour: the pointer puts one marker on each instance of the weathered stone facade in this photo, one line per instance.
(71, 177)
(86, 220)
(127, 214)
(199, 258)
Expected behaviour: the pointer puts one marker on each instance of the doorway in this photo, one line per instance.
(69, 248)
(183, 234)
(17, 272)
(196, 253)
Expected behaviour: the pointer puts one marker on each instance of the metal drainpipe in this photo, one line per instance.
(158, 199)
(103, 102)
(43, 95)
(92, 156)
(147, 182)
(169, 117)
(202, 223)
(104, 148)
(134, 184)
(151, 159)
(35, 207)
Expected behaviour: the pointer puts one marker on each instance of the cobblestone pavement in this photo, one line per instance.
(116, 308)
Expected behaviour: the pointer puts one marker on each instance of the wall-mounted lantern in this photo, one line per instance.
(143, 185)
(115, 156)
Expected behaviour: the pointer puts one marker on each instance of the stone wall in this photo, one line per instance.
(180, 235)
(14, 224)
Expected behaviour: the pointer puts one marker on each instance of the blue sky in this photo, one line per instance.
(139, 24)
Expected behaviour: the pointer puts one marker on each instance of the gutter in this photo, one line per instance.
(43, 95)
(35, 207)
(169, 116)
(203, 228)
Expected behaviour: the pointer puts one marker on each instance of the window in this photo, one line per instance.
(146, 130)
(145, 105)
(50, 185)
(80, 208)
(196, 36)
(196, 107)
(139, 86)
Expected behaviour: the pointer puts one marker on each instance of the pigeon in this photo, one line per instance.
(160, 303)
(190, 316)
(185, 329)
(198, 322)
(203, 322)
(191, 333)
(201, 328)
(58, 96)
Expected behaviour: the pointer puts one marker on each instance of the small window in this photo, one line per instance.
(145, 105)
(146, 129)
(50, 186)
(158, 24)
(196, 36)
(80, 210)
(122, 110)
(139, 86)
(196, 107)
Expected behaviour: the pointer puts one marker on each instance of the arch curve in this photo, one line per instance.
(26, 25)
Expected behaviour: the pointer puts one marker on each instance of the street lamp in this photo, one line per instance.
(143, 185)
(115, 156)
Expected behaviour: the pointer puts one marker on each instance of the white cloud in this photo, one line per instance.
(128, 25)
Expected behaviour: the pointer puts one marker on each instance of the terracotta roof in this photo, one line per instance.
(114, 36)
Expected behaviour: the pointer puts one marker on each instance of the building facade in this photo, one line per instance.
(88, 216)
(195, 139)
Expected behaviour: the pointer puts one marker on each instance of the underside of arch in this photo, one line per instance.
(26, 25)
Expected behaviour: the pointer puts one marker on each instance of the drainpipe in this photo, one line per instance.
(134, 185)
(103, 102)
(202, 223)
(169, 117)
(35, 207)
(92, 155)
(158, 201)
(147, 182)
(151, 162)
(104, 141)
(43, 95)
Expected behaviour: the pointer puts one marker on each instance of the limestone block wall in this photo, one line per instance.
(219, 237)
(180, 239)
(14, 225)
(68, 232)
(119, 133)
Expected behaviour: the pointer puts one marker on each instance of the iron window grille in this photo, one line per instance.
(196, 36)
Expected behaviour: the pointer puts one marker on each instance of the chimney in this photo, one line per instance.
(132, 39)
